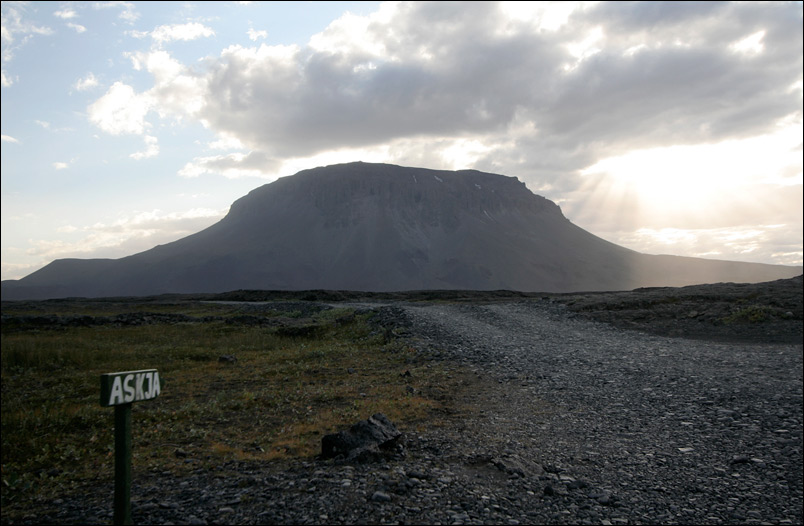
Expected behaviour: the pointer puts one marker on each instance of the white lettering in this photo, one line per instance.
(116, 396)
(131, 386)
(155, 388)
(128, 388)
(138, 387)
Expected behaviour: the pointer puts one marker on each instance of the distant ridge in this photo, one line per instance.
(379, 227)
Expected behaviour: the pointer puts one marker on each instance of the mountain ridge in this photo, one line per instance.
(382, 227)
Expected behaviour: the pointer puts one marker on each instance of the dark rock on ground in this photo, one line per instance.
(365, 440)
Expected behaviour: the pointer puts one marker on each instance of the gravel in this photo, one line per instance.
(573, 422)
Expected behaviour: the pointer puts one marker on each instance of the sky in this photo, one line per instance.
(667, 128)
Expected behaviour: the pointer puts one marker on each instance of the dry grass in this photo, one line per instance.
(277, 401)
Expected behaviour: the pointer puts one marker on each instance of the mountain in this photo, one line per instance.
(379, 227)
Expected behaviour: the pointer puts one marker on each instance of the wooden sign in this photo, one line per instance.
(129, 386)
(121, 390)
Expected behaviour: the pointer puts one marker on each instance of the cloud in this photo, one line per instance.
(15, 30)
(120, 111)
(128, 11)
(123, 236)
(5, 80)
(554, 92)
(233, 166)
(256, 35)
(8, 138)
(445, 70)
(77, 27)
(226, 143)
(151, 149)
(61, 165)
(177, 92)
(86, 83)
(65, 14)
(169, 33)
(18, 270)
(737, 243)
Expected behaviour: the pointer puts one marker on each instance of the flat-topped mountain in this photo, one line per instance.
(379, 227)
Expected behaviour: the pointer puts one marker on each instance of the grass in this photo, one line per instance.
(750, 314)
(276, 401)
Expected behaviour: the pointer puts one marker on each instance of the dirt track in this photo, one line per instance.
(731, 312)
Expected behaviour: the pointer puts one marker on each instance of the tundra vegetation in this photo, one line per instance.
(298, 375)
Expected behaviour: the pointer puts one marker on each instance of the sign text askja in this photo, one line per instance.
(129, 386)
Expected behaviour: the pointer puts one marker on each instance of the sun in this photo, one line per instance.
(676, 183)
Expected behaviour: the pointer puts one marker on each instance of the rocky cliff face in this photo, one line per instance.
(377, 227)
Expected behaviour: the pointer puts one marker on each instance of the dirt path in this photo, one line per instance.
(661, 429)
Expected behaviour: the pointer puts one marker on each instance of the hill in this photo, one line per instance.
(379, 227)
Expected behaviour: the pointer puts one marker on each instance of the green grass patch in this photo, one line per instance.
(750, 314)
(276, 401)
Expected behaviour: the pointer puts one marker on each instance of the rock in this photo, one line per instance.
(511, 465)
(380, 496)
(227, 358)
(364, 441)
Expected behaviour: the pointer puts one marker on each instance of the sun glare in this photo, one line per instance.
(685, 177)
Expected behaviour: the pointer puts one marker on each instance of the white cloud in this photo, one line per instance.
(750, 45)
(16, 30)
(232, 166)
(735, 243)
(60, 165)
(176, 91)
(8, 138)
(128, 11)
(77, 27)
(86, 83)
(151, 149)
(66, 14)
(189, 31)
(127, 234)
(225, 142)
(256, 35)
(121, 110)
(392, 75)
(5, 80)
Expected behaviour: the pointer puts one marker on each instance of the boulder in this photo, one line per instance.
(366, 440)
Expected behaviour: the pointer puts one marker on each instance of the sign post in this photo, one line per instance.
(120, 390)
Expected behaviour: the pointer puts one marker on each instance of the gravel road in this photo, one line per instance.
(571, 421)
(633, 428)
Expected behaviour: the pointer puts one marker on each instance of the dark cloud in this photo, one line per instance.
(664, 73)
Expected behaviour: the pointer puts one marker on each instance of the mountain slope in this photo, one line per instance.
(377, 227)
